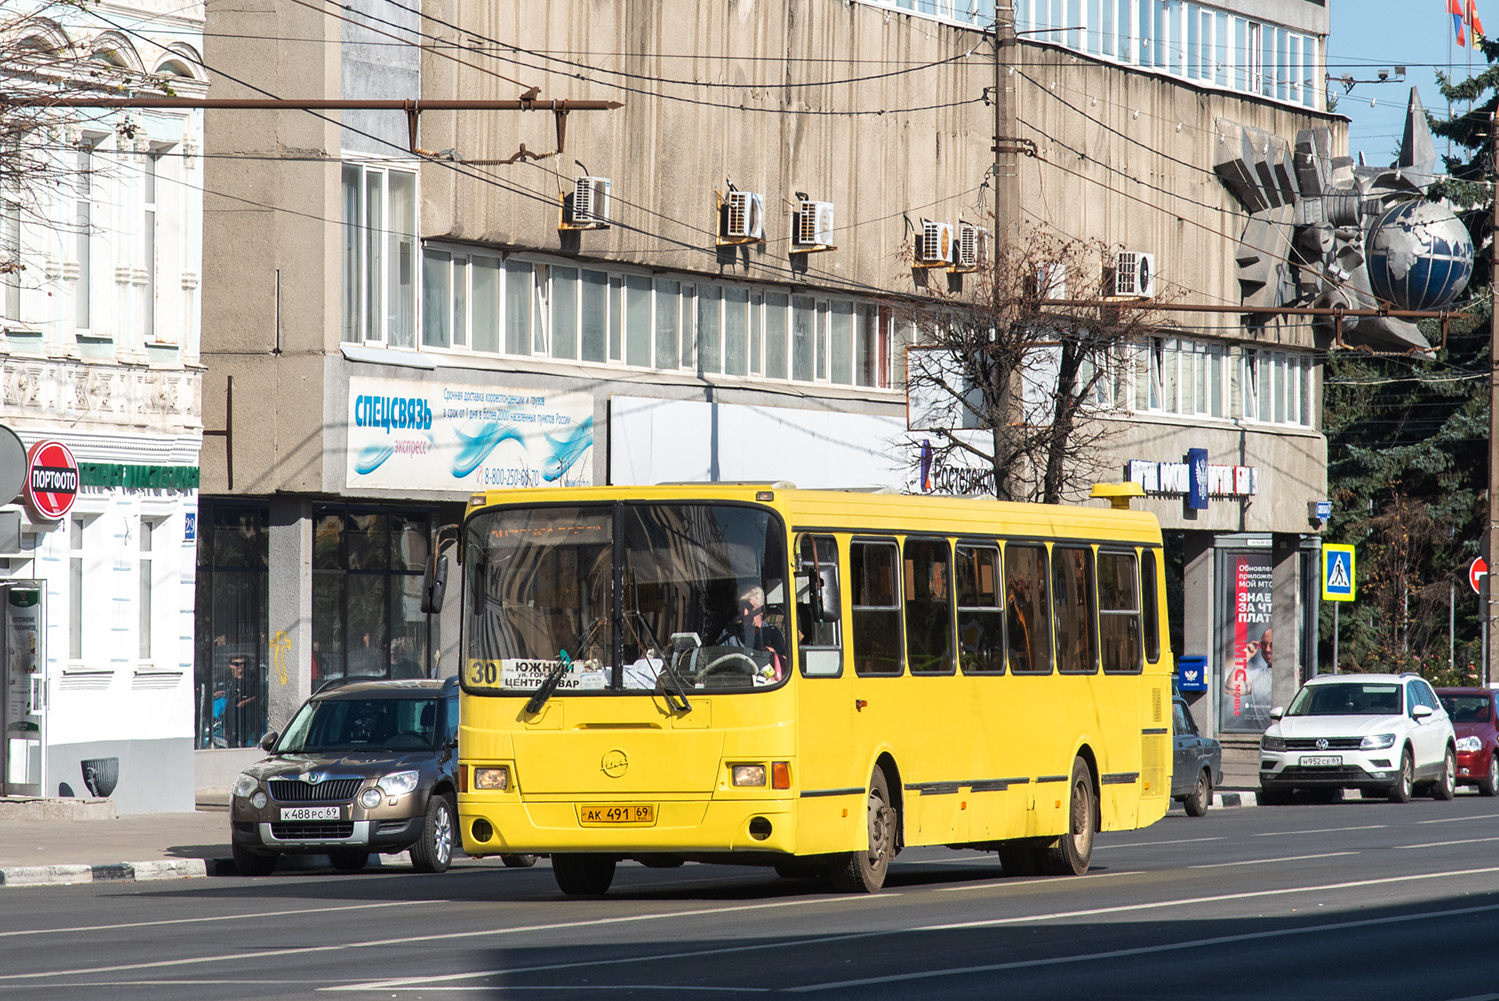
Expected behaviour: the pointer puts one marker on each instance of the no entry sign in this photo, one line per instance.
(51, 480)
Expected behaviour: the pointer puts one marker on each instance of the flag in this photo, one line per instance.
(1472, 18)
(1457, 8)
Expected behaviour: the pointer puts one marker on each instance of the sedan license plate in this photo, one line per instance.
(1321, 760)
(310, 813)
(605, 814)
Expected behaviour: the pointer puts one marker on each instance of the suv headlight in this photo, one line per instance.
(1470, 744)
(244, 785)
(398, 783)
(1268, 743)
(1377, 742)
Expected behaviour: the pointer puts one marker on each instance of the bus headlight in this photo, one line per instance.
(747, 775)
(495, 779)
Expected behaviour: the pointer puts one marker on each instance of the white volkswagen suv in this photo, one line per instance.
(1380, 733)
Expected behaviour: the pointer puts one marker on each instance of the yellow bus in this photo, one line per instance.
(807, 679)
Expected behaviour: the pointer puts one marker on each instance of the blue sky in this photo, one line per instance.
(1369, 35)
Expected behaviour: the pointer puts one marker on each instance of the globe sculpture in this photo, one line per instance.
(1420, 255)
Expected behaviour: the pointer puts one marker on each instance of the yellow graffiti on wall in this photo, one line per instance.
(280, 646)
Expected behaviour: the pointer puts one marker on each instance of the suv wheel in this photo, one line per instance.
(1401, 791)
(253, 863)
(1489, 784)
(434, 852)
(1445, 787)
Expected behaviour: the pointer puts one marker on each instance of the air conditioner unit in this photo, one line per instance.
(1134, 275)
(814, 225)
(744, 216)
(591, 201)
(936, 243)
(973, 247)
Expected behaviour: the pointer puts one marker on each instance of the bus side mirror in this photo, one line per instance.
(823, 594)
(434, 584)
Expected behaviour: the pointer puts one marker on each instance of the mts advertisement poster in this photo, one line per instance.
(1247, 651)
(414, 436)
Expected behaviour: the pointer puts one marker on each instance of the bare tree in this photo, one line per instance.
(1013, 369)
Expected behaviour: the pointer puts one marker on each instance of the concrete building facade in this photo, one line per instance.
(712, 281)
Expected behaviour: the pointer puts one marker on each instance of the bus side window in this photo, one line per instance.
(981, 646)
(1119, 613)
(1027, 610)
(876, 601)
(1072, 596)
(929, 629)
(1150, 605)
(819, 643)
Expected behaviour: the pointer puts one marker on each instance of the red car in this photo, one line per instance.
(1475, 721)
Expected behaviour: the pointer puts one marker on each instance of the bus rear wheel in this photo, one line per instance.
(1072, 852)
(864, 871)
(583, 875)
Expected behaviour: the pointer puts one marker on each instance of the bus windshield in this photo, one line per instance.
(625, 598)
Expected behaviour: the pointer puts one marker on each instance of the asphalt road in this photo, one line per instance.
(1352, 900)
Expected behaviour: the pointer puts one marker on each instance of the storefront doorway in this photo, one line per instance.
(23, 715)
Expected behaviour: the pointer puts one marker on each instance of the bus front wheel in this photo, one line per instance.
(583, 875)
(864, 871)
(1072, 852)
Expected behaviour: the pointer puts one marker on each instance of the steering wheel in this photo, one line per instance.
(726, 662)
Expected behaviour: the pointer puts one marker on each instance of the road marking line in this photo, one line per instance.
(1262, 861)
(1151, 844)
(1012, 881)
(1453, 820)
(382, 943)
(424, 982)
(1142, 950)
(1323, 830)
(1446, 844)
(256, 916)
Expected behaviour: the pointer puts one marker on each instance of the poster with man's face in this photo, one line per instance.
(1248, 645)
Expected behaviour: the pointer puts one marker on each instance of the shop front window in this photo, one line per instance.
(367, 620)
(230, 647)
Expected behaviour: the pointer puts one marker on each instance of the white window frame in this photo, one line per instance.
(372, 293)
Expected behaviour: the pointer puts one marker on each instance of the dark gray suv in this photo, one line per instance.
(365, 766)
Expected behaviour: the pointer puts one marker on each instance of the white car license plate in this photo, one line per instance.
(1321, 760)
(309, 813)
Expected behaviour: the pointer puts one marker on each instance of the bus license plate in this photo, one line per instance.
(309, 813)
(617, 813)
(1321, 760)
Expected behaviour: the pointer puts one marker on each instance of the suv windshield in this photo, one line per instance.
(1351, 699)
(630, 592)
(362, 726)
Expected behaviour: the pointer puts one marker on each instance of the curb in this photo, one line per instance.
(1227, 799)
(111, 872)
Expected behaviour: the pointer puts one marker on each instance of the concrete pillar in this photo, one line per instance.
(1198, 636)
(289, 609)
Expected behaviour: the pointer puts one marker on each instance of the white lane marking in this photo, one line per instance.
(1454, 820)
(1445, 844)
(1014, 881)
(1262, 861)
(1323, 830)
(1151, 844)
(1478, 997)
(253, 916)
(381, 943)
(1146, 950)
(424, 981)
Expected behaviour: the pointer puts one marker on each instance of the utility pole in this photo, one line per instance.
(1486, 603)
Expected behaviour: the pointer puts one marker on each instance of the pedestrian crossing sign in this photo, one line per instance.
(1337, 573)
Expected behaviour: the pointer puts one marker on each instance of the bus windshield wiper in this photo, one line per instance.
(673, 698)
(549, 683)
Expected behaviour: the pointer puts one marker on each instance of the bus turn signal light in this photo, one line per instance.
(780, 775)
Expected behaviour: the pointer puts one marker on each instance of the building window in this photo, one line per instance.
(144, 605)
(83, 226)
(77, 534)
(10, 261)
(366, 594)
(379, 255)
(148, 242)
(231, 649)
